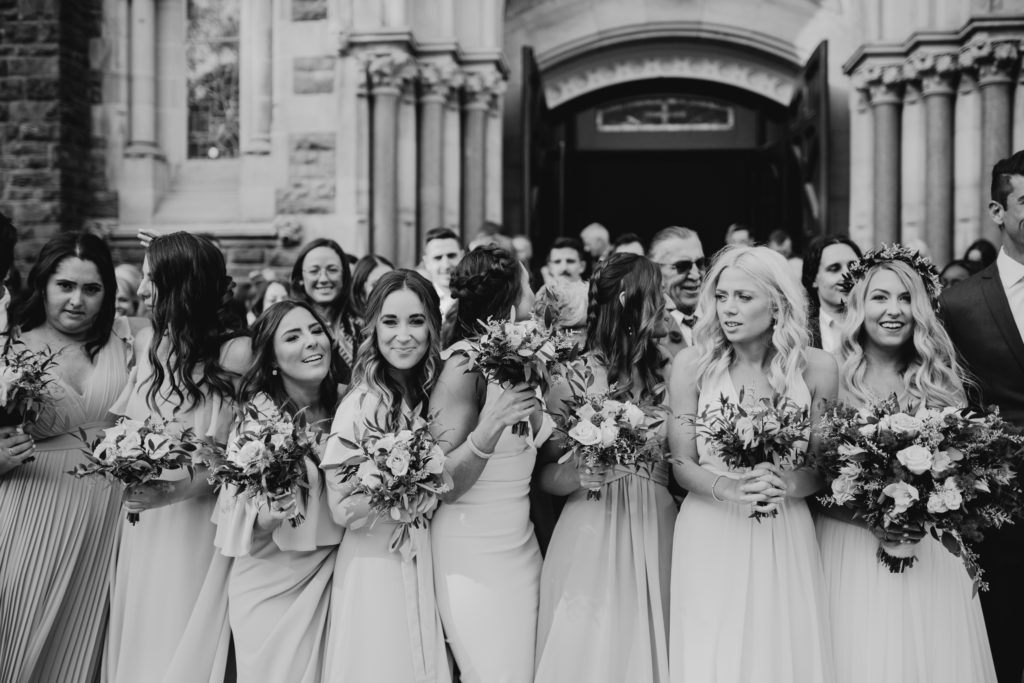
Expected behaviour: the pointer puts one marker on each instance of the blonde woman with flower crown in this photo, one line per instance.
(748, 596)
(923, 624)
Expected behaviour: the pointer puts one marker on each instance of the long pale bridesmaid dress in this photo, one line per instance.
(58, 535)
(280, 582)
(168, 612)
(384, 622)
(748, 597)
(487, 564)
(604, 587)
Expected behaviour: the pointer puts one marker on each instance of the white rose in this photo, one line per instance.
(941, 462)
(745, 430)
(249, 452)
(611, 408)
(903, 495)
(904, 424)
(385, 443)
(951, 495)
(369, 475)
(586, 412)
(634, 416)
(130, 441)
(404, 436)
(917, 459)
(435, 460)
(868, 430)
(770, 425)
(586, 433)
(398, 462)
(851, 470)
(844, 489)
(609, 432)
(278, 440)
(8, 379)
(515, 335)
(936, 504)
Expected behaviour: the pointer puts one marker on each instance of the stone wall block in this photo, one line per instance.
(309, 10)
(313, 75)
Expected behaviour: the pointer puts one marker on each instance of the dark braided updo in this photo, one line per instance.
(487, 283)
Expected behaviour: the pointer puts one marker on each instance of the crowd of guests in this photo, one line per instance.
(636, 586)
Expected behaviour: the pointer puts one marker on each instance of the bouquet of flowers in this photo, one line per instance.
(137, 452)
(510, 352)
(267, 455)
(401, 472)
(603, 432)
(24, 382)
(949, 471)
(773, 429)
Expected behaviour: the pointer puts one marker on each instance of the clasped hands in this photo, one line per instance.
(763, 487)
(16, 449)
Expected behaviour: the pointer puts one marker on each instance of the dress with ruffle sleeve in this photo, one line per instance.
(280, 582)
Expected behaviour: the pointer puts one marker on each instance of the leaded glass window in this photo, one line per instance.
(665, 114)
(211, 56)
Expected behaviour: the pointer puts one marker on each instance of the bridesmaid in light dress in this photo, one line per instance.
(486, 557)
(168, 616)
(604, 590)
(384, 622)
(748, 596)
(923, 624)
(280, 582)
(58, 534)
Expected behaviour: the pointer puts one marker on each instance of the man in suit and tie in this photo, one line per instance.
(985, 318)
(680, 255)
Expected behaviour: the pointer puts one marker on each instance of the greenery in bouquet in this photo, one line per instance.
(948, 471)
(137, 452)
(513, 352)
(267, 455)
(25, 382)
(601, 432)
(401, 473)
(745, 434)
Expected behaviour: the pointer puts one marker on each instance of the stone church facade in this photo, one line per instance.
(270, 122)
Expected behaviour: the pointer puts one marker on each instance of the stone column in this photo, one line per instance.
(363, 144)
(861, 167)
(387, 72)
(969, 214)
(938, 75)
(256, 78)
(912, 161)
(885, 88)
(142, 106)
(437, 81)
(493, 203)
(482, 88)
(451, 192)
(408, 151)
(996, 63)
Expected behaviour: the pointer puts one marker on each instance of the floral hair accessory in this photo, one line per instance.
(895, 252)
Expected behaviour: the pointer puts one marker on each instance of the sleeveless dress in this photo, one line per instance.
(168, 611)
(487, 564)
(604, 586)
(923, 624)
(384, 622)
(58, 535)
(748, 598)
(280, 581)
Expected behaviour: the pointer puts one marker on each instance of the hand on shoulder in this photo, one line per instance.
(236, 355)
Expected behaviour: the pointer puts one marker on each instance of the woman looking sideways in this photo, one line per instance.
(321, 276)
(280, 582)
(748, 599)
(924, 624)
(486, 557)
(377, 591)
(168, 615)
(58, 534)
(606, 575)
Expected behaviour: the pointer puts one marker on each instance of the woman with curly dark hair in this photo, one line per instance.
(168, 617)
(825, 264)
(607, 571)
(486, 557)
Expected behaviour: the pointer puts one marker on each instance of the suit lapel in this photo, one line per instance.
(999, 306)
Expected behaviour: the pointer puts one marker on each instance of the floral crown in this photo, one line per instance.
(895, 252)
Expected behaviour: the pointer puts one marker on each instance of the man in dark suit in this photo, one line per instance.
(680, 255)
(985, 318)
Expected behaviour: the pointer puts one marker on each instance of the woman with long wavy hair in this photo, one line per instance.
(606, 573)
(384, 625)
(748, 599)
(321, 276)
(924, 624)
(486, 557)
(280, 583)
(168, 617)
(58, 534)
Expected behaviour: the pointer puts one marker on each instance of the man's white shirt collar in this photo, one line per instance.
(1010, 270)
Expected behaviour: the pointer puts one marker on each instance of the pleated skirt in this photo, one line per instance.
(57, 549)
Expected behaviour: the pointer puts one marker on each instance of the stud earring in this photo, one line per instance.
(274, 372)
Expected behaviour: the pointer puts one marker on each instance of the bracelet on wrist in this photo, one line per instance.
(713, 485)
(483, 455)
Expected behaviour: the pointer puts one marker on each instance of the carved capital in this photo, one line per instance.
(439, 79)
(483, 87)
(884, 84)
(995, 60)
(938, 73)
(389, 71)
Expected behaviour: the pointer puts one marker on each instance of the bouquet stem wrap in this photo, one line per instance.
(897, 556)
(413, 542)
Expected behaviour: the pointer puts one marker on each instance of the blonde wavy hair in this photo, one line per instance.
(789, 338)
(932, 375)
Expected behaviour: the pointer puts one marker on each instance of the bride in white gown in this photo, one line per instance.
(486, 558)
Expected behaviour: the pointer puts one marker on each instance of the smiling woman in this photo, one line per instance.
(57, 533)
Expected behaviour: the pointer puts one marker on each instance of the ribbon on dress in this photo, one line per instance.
(420, 604)
(654, 472)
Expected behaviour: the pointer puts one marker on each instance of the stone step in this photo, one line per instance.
(202, 190)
